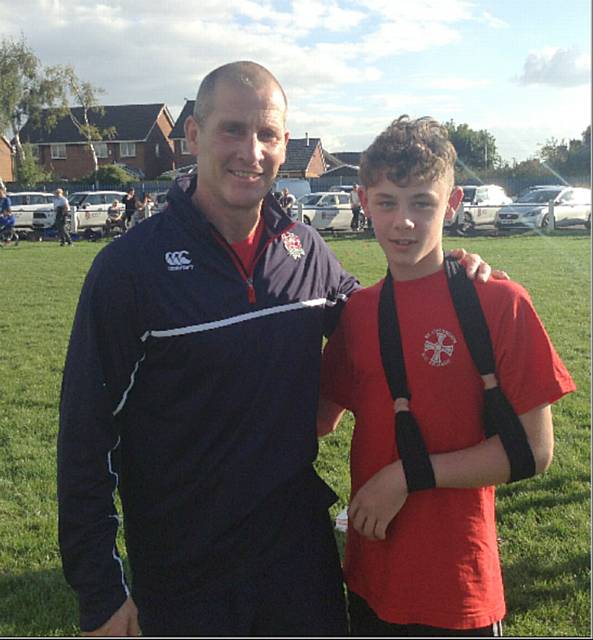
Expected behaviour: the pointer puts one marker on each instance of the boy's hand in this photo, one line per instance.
(475, 267)
(378, 501)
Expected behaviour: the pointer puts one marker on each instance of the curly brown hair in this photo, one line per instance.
(409, 149)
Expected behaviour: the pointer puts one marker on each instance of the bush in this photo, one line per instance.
(28, 171)
(110, 174)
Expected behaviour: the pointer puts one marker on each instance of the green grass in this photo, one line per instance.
(544, 523)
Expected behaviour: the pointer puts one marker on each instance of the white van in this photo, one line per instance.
(88, 210)
(24, 204)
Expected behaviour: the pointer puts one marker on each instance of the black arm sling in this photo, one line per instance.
(499, 416)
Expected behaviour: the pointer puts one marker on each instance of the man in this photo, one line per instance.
(192, 390)
(5, 202)
(62, 208)
(130, 203)
(355, 206)
(287, 201)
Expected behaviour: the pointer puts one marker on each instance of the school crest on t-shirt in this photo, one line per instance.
(439, 345)
(292, 244)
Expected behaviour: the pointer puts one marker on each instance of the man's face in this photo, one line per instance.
(408, 222)
(240, 146)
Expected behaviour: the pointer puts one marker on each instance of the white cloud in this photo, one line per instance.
(493, 21)
(557, 67)
(457, 83)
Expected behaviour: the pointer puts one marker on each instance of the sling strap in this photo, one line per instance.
(499, 416)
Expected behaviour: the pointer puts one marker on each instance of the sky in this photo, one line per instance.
(520, 69)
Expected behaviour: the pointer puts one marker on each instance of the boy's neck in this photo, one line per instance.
(429, 265)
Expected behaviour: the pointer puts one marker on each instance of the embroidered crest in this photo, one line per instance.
(439, 345)
(292, 244)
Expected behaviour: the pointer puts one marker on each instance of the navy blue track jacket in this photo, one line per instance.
(190, 387)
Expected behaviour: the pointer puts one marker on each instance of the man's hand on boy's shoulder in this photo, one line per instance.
(378, 501)
(475, 267)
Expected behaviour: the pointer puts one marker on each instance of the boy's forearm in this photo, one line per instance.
(487, 463)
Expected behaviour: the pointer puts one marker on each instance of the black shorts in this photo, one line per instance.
(364, 622)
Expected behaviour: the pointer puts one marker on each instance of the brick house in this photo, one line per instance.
(304, 156)
(141, 141)
(181, 155)
(6, 156)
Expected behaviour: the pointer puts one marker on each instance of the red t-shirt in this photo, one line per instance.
(246, 249)
(439, 564)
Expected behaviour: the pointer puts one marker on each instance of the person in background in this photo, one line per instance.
(355, 206)
(115, 218)
(7, 222)
(62, 209)
(130, 203)
(421, 555)
(287, 201)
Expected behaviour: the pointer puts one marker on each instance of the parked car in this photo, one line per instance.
(23, 206)
(478, 208)
(342, 187)
(570, 206)
(88, 210)
(326, 210)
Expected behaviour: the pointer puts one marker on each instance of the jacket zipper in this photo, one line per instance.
(247, 276)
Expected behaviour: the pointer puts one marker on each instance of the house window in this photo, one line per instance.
(58, 151)
(184, 149)
(157, 150)
(101, 149)
(127, 149)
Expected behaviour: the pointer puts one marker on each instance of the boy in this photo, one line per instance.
(424, 561)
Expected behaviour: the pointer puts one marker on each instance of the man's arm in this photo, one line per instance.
(475, 267)
(97, 370)
(485, 464)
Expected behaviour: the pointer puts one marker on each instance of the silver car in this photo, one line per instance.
(547, 207)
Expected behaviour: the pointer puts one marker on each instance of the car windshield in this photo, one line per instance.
(76, 198)
(539, 195)
(468, 194)
(311, 200)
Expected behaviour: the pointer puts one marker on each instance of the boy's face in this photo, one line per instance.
(408, 222)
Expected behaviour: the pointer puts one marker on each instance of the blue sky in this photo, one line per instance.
(519, 68)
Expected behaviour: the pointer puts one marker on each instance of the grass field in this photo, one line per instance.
(544, 524)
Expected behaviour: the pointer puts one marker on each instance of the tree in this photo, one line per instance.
(569, 158)
(28, 171)
(25, 89)
(86, 96)
(476, 150)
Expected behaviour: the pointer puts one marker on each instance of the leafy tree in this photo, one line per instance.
(476, 150)
(573, 157)
(25, 89)
(84, 95)
(28, 171)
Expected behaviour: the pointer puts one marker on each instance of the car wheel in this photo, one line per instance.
(466, 226)
(547, 222)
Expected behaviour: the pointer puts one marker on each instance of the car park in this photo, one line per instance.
(557, 206)
(88, 210)
(24, 204)
(326, 210)
(478, 208)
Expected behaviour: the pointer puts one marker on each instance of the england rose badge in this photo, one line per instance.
(292, 244)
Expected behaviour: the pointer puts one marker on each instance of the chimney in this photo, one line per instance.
(306, 138)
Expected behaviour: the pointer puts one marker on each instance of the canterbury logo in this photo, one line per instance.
(178, 261)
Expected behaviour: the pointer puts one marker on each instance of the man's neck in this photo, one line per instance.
(233, 224)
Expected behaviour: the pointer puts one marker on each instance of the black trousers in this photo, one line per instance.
(63, 233)
(364, 622)
(294, 590)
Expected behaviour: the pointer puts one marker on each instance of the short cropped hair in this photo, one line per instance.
(409, 149)
(243, 72)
